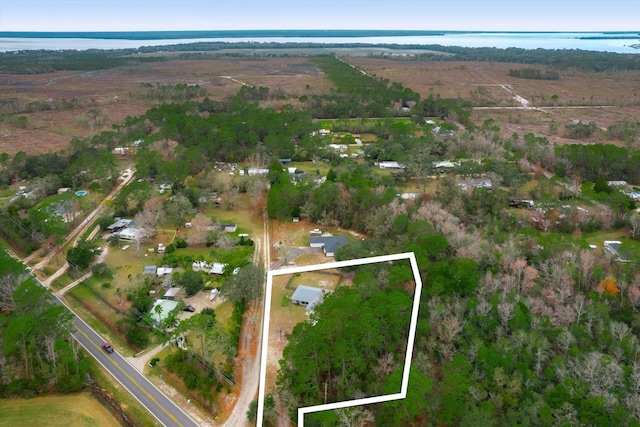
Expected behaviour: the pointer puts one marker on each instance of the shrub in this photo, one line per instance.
(101, 270)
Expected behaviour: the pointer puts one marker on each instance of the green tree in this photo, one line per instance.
(192, 282)
(416, 405)
(101, 270)
(178, 209)
(246, 285)
(81, 255)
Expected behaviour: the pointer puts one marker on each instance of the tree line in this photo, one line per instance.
(534, 74)
(48, 61)
(39, 356)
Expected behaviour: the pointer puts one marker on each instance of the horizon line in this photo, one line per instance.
(303, 30)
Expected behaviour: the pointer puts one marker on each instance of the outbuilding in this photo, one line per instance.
(150, 270)
(119, 225)
(172, 293)
(217, 268)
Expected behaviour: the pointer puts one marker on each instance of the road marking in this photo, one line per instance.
(133, 380)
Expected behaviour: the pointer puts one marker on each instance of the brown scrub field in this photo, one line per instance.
(95, 100)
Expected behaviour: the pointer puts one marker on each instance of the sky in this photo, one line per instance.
(469, 15)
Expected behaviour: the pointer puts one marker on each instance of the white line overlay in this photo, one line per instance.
(348, 403)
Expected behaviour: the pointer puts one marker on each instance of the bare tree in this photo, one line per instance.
(355, 417)
(565, 340)
(633, 293)
(50, 351)
(197, 234)
(634, 223)
(505, 313)
(587, 262)
(386, 365)
(8, 285)
(148, 218)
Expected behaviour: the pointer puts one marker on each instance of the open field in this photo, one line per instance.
(79, 410)
(605, 98)
(117, 93)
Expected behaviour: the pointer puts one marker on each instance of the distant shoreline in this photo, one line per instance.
(172, 35)
(615, 42)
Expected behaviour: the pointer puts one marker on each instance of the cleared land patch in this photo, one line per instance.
(56, 411)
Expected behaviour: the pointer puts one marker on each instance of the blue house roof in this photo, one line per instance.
(330, 243)
(306, 294)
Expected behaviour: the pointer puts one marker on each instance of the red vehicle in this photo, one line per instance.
(107, 347)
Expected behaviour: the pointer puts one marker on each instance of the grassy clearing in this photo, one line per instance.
(77, 410)
(316, 280)
(311, 259)
(285, 316)
(61, 281)
(310, 168)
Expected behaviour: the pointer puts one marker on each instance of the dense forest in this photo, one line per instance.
(37, 353)
(501, 340)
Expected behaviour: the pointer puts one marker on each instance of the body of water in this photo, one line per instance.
(602, 42)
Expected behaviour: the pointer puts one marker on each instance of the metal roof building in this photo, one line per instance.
(308, 296)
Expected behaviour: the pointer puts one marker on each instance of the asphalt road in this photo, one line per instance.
(156, 402)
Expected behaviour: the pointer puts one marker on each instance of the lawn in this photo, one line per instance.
(311, 168)
(315, 279)
(284, 316)
(76, 410)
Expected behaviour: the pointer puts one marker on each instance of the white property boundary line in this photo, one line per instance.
(349, 403)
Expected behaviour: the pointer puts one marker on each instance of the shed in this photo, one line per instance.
(119, 225)
(150, 269)
(163, 271)
(217, 268)
(200, 265)
(229, 228)
(171, 293)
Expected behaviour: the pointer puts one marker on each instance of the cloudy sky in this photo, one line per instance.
(490, 15)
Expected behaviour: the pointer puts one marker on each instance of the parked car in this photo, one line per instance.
(107, 347)
(190, 309)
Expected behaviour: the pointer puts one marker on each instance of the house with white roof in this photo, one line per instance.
(308, 296)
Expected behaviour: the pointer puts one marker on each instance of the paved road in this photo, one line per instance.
(156, 402)
(144, 391)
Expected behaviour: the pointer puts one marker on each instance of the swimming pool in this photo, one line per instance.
(81, 193)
